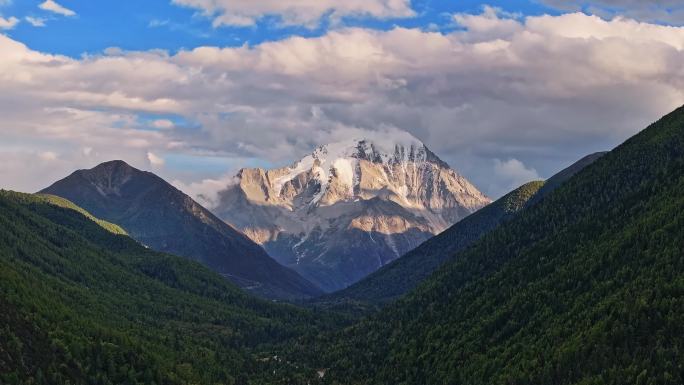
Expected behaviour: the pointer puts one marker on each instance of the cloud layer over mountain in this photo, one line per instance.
(498, 96)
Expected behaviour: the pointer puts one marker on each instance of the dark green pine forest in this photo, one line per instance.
(404, 274)
(82, 304)
(585, 286)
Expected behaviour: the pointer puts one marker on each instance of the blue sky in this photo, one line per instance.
(159, 24)
(194, 90)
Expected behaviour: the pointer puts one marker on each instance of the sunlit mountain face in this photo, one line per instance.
(350, 207)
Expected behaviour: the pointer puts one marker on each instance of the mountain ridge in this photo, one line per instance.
(164, 218)
(562, 176)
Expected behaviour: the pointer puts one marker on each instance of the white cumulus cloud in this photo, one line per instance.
(300, 12)
(8, 23)
(53, 6)
(163, 124)
(48, 156)
(543, 91)
(36, 21)
(664, 11)
(155, 160)
(511, 174)
(206, 191)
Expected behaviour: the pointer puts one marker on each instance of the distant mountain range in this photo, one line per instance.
(349, 208)
(160, 216)
(385, 205)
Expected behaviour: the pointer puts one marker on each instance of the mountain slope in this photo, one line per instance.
(558, 179)
(163, 218)
(407, 272)
(415, 266)
(586, 287)
(81, 305)
(349, 208)
(61, 202)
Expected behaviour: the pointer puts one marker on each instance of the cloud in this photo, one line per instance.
(542, 91)
(36, 21)
(489, 25)
(155, 23)
(163, 124)
(8, 23)
(52, 6)
(302, 12)
(155, 161)
(207, 190)
(659, 11)
(48, 156)
(511, 174)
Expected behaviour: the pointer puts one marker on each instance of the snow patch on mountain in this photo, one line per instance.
(344, 171)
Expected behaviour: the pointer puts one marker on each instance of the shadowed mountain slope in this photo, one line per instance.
(160, 216)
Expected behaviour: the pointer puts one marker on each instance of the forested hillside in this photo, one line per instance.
(61, 202)
(586, 287)
(82, 305)
(561, 177)
(407, 272)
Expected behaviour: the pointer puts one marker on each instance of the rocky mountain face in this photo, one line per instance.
(163, 218)
(349, 208)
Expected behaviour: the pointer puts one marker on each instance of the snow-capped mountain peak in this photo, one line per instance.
(349, 207)
(380, 148)
(339, 162)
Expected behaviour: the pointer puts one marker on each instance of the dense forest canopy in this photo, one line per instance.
(83, 305)
(586, 287)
